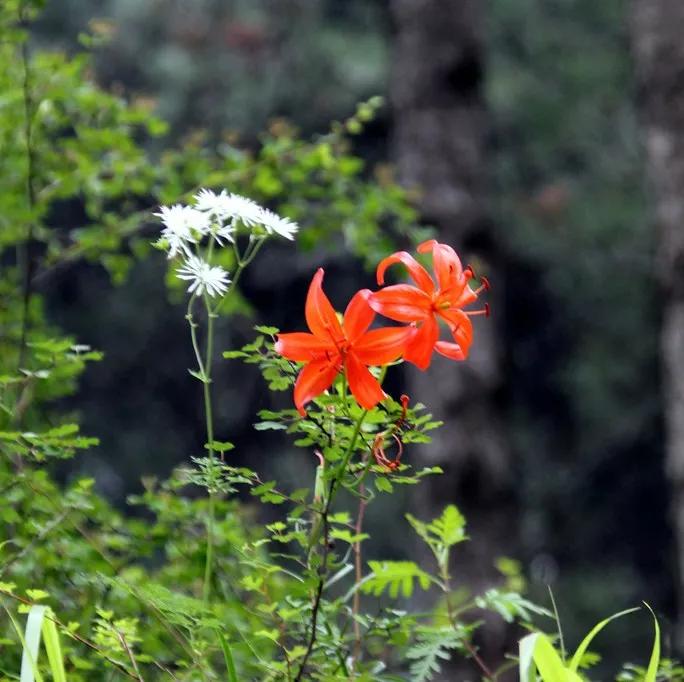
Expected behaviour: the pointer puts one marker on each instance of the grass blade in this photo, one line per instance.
(31, 642)
(53, 649)
(582, 648)
(527, 668)
(228, 656)
(653, 664)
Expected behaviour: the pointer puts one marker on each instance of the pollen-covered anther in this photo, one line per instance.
(484, 285)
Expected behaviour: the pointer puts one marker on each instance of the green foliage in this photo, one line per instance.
(433, 646)
(537, 655)
(511, 606)
(394, 576)
(442, 533)
(668, 671)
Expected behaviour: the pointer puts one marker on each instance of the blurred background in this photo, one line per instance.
(517, 125)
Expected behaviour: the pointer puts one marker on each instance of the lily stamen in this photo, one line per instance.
(482, 311)
(484, 285)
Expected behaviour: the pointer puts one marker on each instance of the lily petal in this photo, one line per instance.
(364, 386)
(380, 346)
(401, 302)
(450, 350)
(302, 347)
(319, 313)
(461, 327)
(458, 296)
(418, 273)
(358, 315)
(445, 262)
(421, 344)
(312, 381)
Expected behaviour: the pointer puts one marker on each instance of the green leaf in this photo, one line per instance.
(346, 536)
(270, 426)
(219, 446)
(31, 642)
(234, 354)
(537, 654)
(383, 485)
(432, 646)
(447, 530)
(509, 605)
(269, 331)
(395, 576)
(53, 649)
(527, 671)
(198, 375)
(62, 431)
(228, 658)
(584, 645)
(450, 526)
(654, 662)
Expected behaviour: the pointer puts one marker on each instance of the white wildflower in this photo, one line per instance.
(203, 277)
(206, 200)
(274, 223)
(241, 208)
(224, 232)
(182, 224)
(228, 207)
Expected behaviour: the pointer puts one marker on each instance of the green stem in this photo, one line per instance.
(204, 367)
(211, 512)
(334, 486)
(24, 260)
(242, 262)
(446, 587)
(205, 371)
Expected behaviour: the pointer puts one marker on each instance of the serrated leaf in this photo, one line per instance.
(395, 576)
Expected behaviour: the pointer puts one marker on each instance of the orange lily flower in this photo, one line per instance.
(422, 305)
(332, 347)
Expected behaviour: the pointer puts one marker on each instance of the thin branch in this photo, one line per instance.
(319, 587)
(358, 568)
(129, 653)
(489, 675)
(334, 484)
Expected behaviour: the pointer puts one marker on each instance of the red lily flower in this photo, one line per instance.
(332, 347)
(423, 304)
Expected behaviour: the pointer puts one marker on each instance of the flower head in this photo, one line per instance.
(430, 300)
(207, 200)
(241, 208)
(228, 207)
(203, 277)
(274, 223)
(182, 225)
(332, 347)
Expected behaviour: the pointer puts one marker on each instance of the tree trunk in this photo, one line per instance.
(657, 31)
(439, 145)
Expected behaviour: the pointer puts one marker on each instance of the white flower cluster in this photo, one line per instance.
(218, 217)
